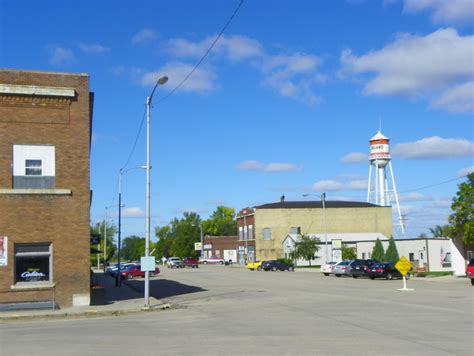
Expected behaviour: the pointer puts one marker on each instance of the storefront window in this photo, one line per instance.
(32, 263)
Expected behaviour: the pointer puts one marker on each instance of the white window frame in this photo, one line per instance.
(267, 236)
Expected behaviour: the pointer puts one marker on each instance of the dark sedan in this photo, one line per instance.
(384, 270)
(360, 268)
(276, 266)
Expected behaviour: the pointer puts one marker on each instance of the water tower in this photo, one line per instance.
(379, 191)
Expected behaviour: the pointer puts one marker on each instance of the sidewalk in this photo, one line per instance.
(109, 301)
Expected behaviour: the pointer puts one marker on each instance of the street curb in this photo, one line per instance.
(86, 314)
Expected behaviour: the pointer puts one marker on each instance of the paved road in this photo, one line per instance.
(228, 310)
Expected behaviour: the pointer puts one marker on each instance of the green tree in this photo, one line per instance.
(178, 238)
(462, 218)
(392, 253)
(440, 231)
(221, 223)
(378, 252)
(133, 247)
(99, 228)
(306, 248)
(348, 253)
(422, 236)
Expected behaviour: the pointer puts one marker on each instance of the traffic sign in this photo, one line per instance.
(403, 266)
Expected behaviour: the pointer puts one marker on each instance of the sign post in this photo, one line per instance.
(403, 266)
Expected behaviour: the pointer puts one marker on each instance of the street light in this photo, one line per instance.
(323, 200)
(202, 247)
(118, 280)
(160, 81)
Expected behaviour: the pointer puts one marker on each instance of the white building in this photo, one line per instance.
(425, 254)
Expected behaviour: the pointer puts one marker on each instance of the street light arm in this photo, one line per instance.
(160, 81)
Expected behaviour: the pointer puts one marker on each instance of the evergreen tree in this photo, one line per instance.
(378, 252)
(392, 253)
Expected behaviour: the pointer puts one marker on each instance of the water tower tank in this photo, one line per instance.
(379, 150)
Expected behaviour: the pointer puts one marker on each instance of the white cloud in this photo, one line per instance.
(293, 76)
(201, 81)
(92, 48)
(234, 48)
(417, 66)
(443, 11)
(269, 167)
(464, 172)
(414, 196)
(332, 186)
(143, 36)
(458, 99)
(435, 148)
(355, 158)
(133, 212)
(439, 203)
(61, 56)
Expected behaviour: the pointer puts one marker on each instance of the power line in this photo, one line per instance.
(432, 185)
(178, 86)
(205, 54)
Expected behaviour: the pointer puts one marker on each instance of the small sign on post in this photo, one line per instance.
(404, 266)
(197, 246)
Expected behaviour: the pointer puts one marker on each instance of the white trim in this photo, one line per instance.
(37, 90)
(36, 191)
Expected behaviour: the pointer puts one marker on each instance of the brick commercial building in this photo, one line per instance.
(45, 132)
(275, 221)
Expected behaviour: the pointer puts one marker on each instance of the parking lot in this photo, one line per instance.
(231, 310)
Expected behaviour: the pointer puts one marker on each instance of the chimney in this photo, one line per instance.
(282, 198)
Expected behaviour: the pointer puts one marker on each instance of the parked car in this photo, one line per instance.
(113, 270)
(342, 269)
(384, 270)
(135, 271)
(257, 265)
(470, 271)
(174, 262)
(360, 268)
(326, 268)
(212, 260)
(275, 265)
(190, 262)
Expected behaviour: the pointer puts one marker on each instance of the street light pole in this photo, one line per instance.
(202, 242)
(323, 199)
(160, 81)
(118, 279)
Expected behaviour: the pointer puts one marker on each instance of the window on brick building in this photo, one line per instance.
(241, 233)
(34, 167)
(32, 263)
(250, 232)
(267, 233)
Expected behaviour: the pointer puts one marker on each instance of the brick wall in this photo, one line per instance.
(63, 219)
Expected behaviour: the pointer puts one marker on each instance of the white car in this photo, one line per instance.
(327, 268)
(174, 262)
(212, 260)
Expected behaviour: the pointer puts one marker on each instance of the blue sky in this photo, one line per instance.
(284, 103)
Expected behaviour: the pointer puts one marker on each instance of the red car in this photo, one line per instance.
(135, 271)
(190, 262)
(470, 271)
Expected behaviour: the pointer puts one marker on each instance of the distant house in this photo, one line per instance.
(45, 131)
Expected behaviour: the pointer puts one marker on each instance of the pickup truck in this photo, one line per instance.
(212, 260)
(190, 262)
(470, 271)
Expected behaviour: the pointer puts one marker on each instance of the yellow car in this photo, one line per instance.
(255, 265)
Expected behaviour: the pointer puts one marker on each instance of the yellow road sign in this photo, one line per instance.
(403, 266)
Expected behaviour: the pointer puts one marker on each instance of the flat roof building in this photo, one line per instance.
(45, 137)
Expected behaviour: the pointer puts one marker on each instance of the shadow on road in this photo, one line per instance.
(163, 288)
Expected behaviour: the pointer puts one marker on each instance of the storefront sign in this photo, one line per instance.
(197, 246)
(3, 251)
(208, 247)
(32, 276)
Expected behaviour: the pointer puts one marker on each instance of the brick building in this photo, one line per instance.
(220, 246)
(246, 240)
(45, 132)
